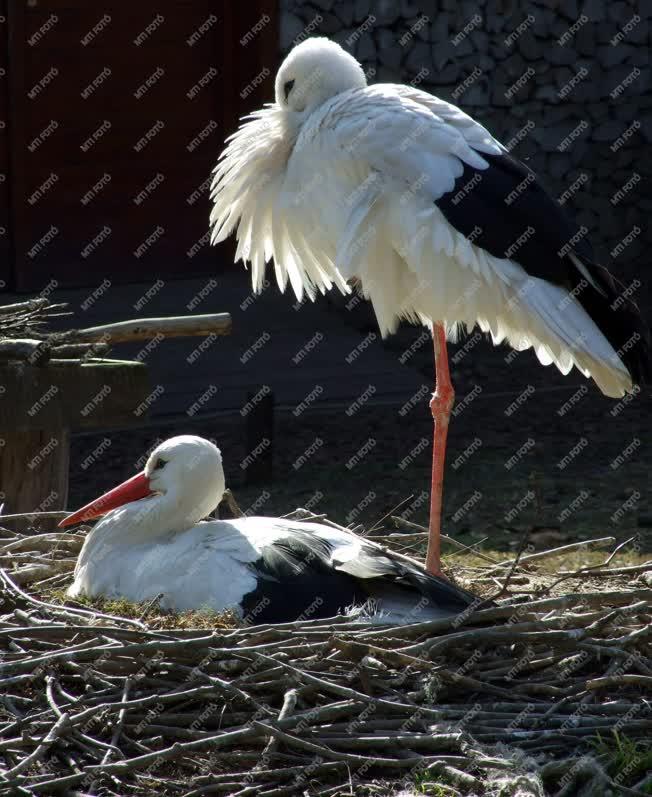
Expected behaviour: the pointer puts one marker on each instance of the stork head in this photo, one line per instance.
(191, 468)
(185, 472)
(313, 72)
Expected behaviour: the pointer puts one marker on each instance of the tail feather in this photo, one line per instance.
(411, 594)
(611, 308)
(552, 321)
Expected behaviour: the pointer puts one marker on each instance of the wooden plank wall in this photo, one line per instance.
(6, 256)
(119, 113)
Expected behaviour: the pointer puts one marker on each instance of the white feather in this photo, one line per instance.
(352, 173)
(160, 546)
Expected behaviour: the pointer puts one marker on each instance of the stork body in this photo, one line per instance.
(434, 217)
(153, 542)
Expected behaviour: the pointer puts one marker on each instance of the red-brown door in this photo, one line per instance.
(118, 112)
(6, 256)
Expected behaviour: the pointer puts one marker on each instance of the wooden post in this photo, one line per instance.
(39, 406)
(43, 395)
(259, 458)
(34, 467)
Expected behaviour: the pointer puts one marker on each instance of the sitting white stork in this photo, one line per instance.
(437, 220)
(153, 541)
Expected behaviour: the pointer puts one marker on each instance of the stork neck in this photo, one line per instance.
(163, 514)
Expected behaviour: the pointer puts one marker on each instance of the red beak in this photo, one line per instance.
(133, 489)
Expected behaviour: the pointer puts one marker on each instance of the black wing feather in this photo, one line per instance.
(495, 207)
(297, 579)
(503, 202)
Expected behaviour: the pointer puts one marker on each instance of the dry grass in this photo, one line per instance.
(147, 611)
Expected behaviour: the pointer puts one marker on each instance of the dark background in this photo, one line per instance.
(579, 67)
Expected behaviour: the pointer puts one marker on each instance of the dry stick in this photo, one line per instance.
(326, 752)
(83, 651)
(387, 514)
(458, 777)
(289, 704)
(390, 741)
(229, 688)
(473, 549)
(35, 516)
(120, 723)
(589, 568)
(612, 571)
(638, 635)
(53, 734)
(562, 549)
(49, 683)
(197, 692)
(49, 543)
(604, 619)
(47, 630)
(85, 350)
(617, 549)
(225, 739)
(619, 680)
(352, 694)
(503, 588)
(4, 576)
(460, 546)
(400, 536)
(149, 606)
(278, 773)
(28, 306)
(526, 633)
(36, 572)
(303, 514)
(148, 328)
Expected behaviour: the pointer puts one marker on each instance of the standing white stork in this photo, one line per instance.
(268, 570)
(434, 216)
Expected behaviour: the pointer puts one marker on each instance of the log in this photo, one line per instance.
(148, 328)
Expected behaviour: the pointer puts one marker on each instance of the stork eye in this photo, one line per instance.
(160, 463)
(287, 88)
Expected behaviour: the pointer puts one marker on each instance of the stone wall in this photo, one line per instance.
(564, 83)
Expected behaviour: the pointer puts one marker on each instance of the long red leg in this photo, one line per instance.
(440, 405)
